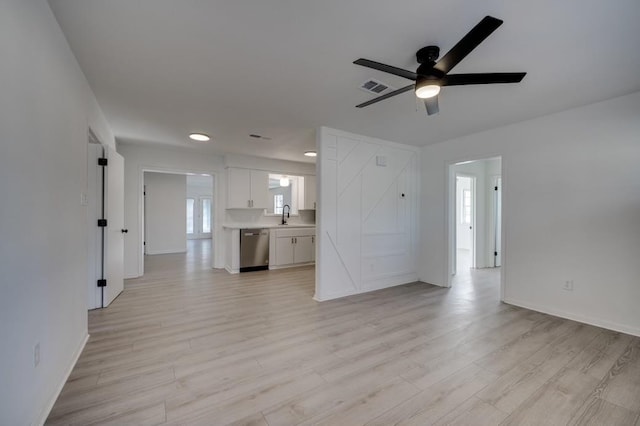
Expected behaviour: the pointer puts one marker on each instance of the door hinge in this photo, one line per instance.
(495, 188)
(102, 283)
(102, 161)
(495, 253)
(102, 223)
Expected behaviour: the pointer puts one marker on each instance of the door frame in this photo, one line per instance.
(217, 212)
(449, 225)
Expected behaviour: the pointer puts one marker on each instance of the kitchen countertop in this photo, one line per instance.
(267, 225)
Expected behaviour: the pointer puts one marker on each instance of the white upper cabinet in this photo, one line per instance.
(247, 188)
(310, 192)
(259, 189)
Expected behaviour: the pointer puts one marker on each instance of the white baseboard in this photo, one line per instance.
(597, 322)
(230, 270)
(169, 251)
(45, 413)
(293, 265)
(407, 279)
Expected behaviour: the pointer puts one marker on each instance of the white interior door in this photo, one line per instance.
(498, 223)
(114, 232)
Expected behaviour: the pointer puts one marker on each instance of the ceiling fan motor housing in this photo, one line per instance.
(428, 54)
(427, 59)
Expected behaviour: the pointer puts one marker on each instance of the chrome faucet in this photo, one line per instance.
(284, 222)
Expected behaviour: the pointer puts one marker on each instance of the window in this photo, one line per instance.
(292, 190)
(466, 206)
(190, 213)
(206, 215)
(278, 203)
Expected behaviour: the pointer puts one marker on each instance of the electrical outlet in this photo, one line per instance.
(84, 199)
(568, 285)
(36, 354)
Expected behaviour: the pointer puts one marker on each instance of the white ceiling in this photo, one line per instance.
(280, 68)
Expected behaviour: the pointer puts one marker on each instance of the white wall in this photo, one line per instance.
(571, 209)
(46, 108)
(166, 214)
(270, 165)
(367, 232)
(140, 158)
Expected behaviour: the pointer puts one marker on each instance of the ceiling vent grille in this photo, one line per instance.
(376, 87)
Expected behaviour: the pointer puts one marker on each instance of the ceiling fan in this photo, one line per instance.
(431, 75)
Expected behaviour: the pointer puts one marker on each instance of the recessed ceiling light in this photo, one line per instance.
(200, 137)
(311, 153)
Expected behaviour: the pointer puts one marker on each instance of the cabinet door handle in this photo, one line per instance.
(313, 240)
(296, 240)
(291, 240)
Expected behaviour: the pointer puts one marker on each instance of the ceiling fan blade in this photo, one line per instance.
(432, 105)
(386, 68)
(387, 96)
(483, 78)
(469, 42)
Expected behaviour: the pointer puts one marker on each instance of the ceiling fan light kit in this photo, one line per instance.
(427, 90)
(431, 76)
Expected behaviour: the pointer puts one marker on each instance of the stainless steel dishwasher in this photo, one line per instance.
(254, 249)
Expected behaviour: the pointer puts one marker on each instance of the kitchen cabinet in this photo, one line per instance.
(303, 249)
(310, 192)
(291, 250)
(247, 188)
(291, 247)
(284, 250)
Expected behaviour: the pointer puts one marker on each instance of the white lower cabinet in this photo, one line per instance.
(303, 249)
(293, 247)
(284, 250)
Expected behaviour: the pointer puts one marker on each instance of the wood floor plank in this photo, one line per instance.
(360, 410)
(430, 405)
(621, 386)
(518, 384)
(186, 344)
(334, 395)
(474, 412)
(596, 411)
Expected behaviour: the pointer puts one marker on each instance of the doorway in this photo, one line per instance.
(178, 215)
(474, 219)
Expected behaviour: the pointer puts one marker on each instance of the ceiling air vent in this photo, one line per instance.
(375, 87)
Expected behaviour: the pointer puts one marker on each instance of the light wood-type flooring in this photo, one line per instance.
(186, 345)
